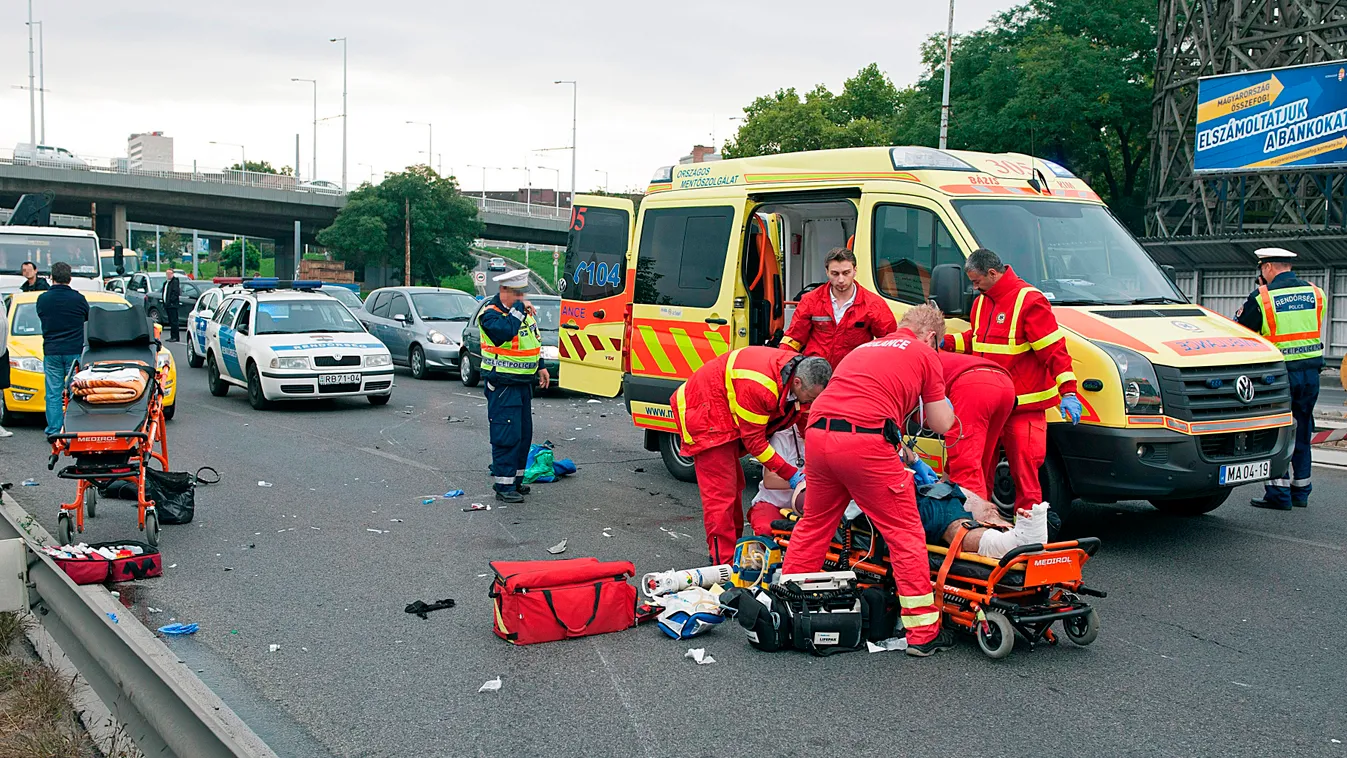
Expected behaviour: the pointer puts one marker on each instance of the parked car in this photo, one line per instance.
(549, 328)
(348, 297)
(496, 264)
(116, 284)
(321, 186)
(196, 322)
(47, 155)
(150, 284)
(422, 327)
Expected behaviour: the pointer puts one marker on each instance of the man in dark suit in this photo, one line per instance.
(172, 298)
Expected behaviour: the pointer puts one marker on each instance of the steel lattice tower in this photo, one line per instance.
(1205, 37)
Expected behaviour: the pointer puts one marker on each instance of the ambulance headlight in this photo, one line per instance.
(1140, 386)
(378, 360)
(292, 362)
(438, 338)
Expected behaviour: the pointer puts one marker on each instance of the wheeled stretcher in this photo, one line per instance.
(111, 441)
(1023, 593)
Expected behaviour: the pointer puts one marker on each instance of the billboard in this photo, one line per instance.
(1273, 119)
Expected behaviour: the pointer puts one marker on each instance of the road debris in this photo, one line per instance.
(889, 645)
(273, 648)
(30, 483)
(699, 655)
(454, 493)
(477, 507)
(490, 686)
(264, 484)
(177, 630)
(558, 548)
(421, 608)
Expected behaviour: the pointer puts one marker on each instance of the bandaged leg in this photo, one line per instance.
(1030, 528)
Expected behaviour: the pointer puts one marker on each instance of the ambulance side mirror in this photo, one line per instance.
(119, 258)
(1171, 274)
(949, 289)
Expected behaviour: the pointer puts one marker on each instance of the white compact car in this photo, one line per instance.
(291, 344)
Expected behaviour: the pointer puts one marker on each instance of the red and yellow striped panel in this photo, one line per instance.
(1000, 189)
(674, 349)
(576, 345)
(1212, 427)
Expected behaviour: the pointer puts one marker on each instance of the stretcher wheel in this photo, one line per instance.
(65, 529)
(91, 501)
(998, 639)
(152, 528)
(1082, 630)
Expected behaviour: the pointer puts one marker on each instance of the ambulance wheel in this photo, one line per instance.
(679, 465)
(1192, 506)
(469, 375)
(416, 360)
(256, 397)
(1052, 480)
(380, 399)
(152, 528)
(193, 360)
(217, 386)
(65, 529)
(91, 501)
(998, 639)
(1082, 630)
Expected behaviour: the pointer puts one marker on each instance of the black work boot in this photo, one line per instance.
(523, 489)
(1261, 502)
(942, 641)
(509, 496)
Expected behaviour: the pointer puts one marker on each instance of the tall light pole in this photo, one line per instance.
(439, 162)
(342, 40)
(243, 166)
(484, 170)
(41, 83)
(528, 179)
(575, 89)
(371, 171)
(313, 154)
(430, 139)
(32, 86)
(605, 179)
(944, 99)
(556, 195)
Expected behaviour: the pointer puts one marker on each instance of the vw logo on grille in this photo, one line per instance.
(1244, 389)
(338, 357)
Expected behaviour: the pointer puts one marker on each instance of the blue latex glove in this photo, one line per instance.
(178, 629)
(922, 473)
(797, 478)
(1071, 407)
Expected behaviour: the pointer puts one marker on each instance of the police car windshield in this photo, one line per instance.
(304, 317)
(1076, 253)
(444, 306)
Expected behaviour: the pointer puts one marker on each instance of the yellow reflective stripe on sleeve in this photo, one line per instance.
(1065, 376)
(767, 454)
(1039, 344)
(982, 347)
(1036, 397)
(729, 387)
(1015, 315)
(924, 619)
(959, 346)
(754, 376)
(749, 416)
(681, 401)
(792, 344)
(916, 601)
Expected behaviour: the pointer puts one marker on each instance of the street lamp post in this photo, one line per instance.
(313, 154)
(342, 40)
(556, 195)
(575, 88)
(41, 83)
(528, 199)
(430, 139)
(32, 86)
(605, 180)
(484, 170)
(944, 98)
(371, 171)
(243, 166)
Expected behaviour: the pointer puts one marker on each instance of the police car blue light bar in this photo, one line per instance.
(269, 283)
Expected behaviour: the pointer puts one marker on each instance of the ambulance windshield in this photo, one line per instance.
(1076, 253)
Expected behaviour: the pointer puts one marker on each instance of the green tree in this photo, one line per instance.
(784, 123)
(229, 258)
(262, 167)
(171, 246)
(369, 230)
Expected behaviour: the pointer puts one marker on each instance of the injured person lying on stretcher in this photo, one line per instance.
(942, 508)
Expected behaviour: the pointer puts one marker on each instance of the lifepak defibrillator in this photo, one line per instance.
(822, 613)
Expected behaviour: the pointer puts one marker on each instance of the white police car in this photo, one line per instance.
(291, 343)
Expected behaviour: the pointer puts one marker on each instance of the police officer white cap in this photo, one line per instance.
(517, 279)
(1273, 254)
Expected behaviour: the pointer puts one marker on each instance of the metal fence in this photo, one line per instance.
(1224, 291)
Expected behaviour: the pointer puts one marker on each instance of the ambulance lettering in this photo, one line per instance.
(655, 410)
(901, 344)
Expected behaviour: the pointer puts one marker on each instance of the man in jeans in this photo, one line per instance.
(63, 312)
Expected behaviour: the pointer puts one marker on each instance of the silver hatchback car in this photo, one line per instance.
(421, 326)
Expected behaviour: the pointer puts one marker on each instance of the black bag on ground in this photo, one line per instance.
(173, 494)
(766, 621)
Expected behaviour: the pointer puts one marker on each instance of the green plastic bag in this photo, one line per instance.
(540, 465)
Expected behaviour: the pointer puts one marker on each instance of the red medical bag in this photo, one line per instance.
(544, 601)
(95, 569)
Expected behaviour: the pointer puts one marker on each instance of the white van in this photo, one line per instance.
(46, 155)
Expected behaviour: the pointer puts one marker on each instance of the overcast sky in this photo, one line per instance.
(654, 78)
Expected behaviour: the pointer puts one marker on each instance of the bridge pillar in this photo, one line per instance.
(285, 259)
(112, 226)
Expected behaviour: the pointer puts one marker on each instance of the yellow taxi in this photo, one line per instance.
(26, 392)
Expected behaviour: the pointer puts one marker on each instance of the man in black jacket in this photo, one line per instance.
(172, 298)
(62, 312)
(31, 281)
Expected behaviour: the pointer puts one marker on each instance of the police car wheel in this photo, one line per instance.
(380, 399)
(154, 316)
(256, 397)
(679, 466)
(217, 386)
(193, 359)
(417, 360)
(467, 373)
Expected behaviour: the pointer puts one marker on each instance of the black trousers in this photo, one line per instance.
(172, 311)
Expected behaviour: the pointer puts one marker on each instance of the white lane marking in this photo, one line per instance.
(1280, 537)
(642, 733)
(400, 459)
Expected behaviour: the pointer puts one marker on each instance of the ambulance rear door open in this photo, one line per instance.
(595, 291)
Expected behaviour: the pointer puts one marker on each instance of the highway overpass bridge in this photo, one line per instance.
(258, 205)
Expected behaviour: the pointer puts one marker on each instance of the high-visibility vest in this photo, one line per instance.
(1293, 320)
(519, 356)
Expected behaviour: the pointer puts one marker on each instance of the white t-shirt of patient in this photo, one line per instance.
(789, 443)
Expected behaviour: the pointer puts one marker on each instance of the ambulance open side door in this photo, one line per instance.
(596, 288)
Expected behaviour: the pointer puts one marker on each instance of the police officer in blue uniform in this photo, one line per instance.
(1289, 312)
(511, 364)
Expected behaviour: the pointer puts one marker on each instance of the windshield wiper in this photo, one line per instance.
(1156, 301)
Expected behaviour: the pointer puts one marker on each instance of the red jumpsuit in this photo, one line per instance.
(728, 408)
(1014, 327)
(814, 331)
(983, 396)
(849, 460)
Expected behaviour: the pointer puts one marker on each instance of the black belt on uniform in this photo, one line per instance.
(842, 425)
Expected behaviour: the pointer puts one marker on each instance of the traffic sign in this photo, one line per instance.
(556, 256)
(479, 277)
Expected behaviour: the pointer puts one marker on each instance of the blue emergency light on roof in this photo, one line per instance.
(911, 158)
(662, 174)
(270, 283)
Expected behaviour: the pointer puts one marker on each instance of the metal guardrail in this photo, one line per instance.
(130, 670)
(512, 208)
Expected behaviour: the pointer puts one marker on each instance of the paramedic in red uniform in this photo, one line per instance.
(728, 408)
(832, 321)
(850, 459)
(983, 395)
(1013, 326)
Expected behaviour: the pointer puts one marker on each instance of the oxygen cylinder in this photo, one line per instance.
(665, 582)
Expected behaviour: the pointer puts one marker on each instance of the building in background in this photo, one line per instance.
(149, 151)
(700, 154)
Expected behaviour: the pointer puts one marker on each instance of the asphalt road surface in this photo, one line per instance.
(1221, 635)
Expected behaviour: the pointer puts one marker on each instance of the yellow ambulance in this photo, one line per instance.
(1181, 403)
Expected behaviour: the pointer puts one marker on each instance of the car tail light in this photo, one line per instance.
(626, 339)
